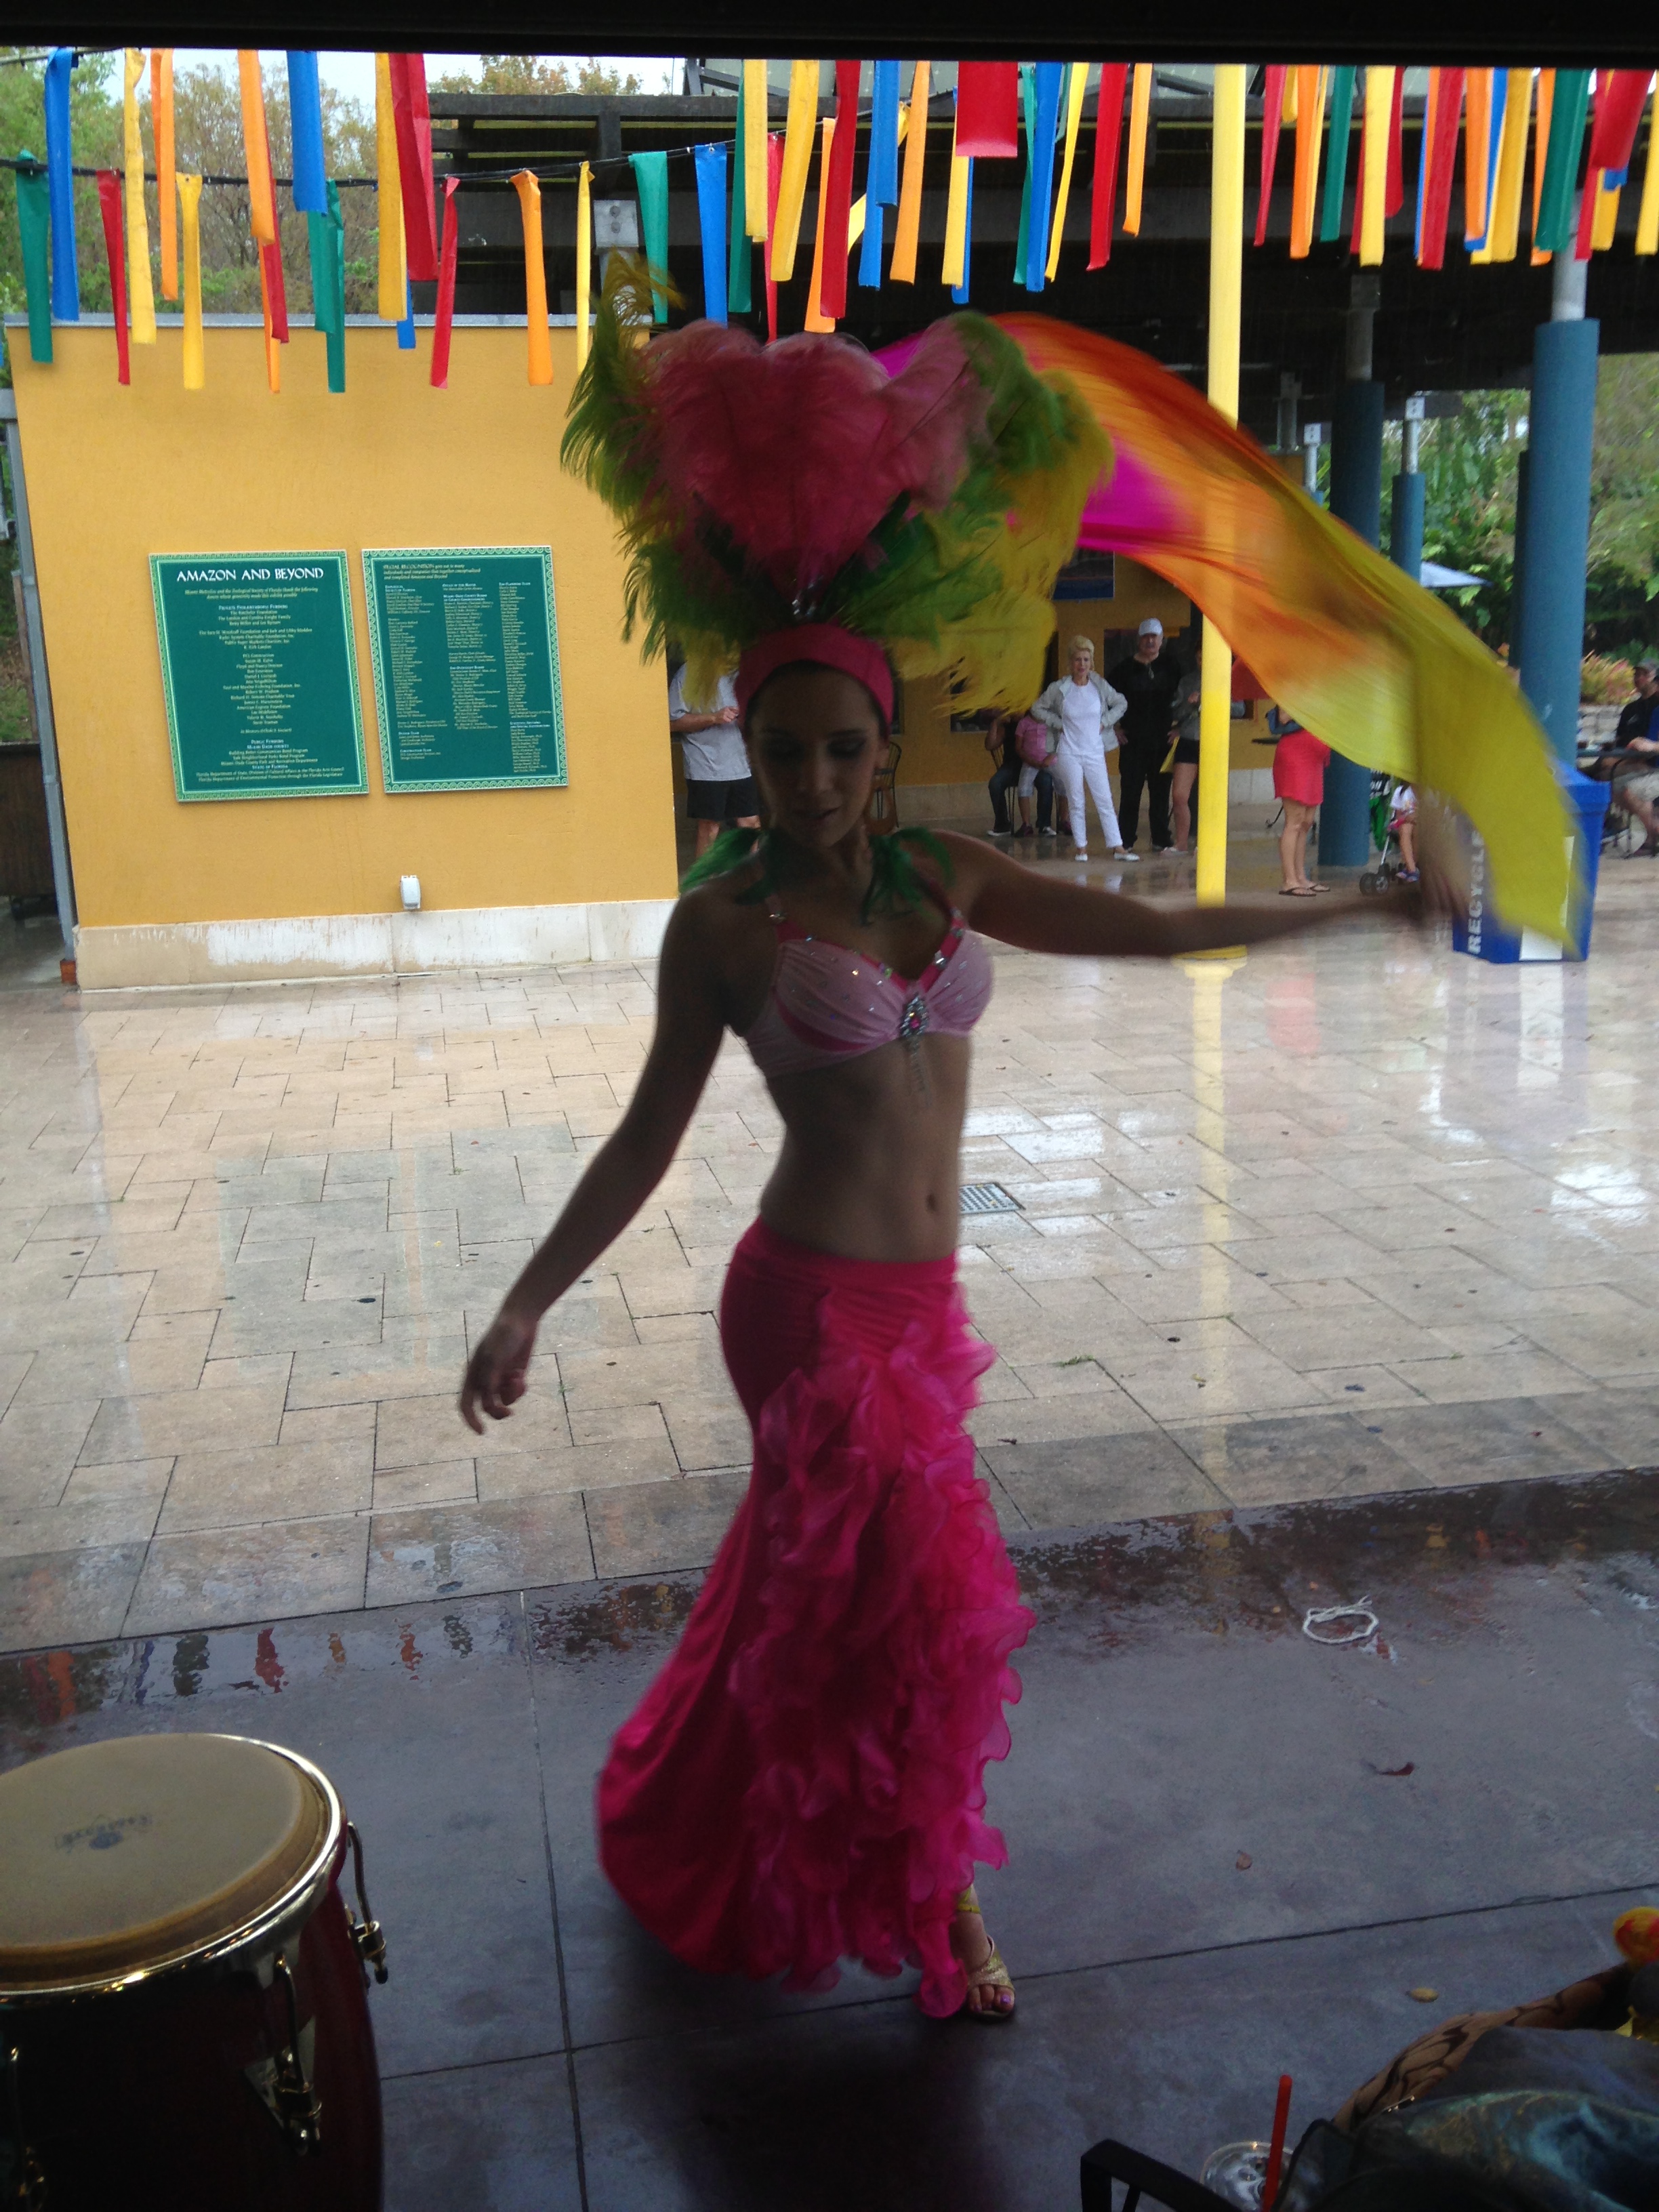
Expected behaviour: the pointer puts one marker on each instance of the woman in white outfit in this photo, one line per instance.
(1083, 711)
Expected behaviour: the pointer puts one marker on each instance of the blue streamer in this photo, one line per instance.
(881, 182)
(870, 249)
(304, 109)
(959, 292)
(406, 326)
(1049, 76)
(1500, 97)
(711, 218)
(60, 185)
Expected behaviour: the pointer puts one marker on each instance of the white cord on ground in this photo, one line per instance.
(1325, 1614)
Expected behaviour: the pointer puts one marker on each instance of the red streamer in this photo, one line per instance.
(1108, 133)
(445, 317)
(987, 108)
(270, 263)
(1394, 197)
(1273, 115)
(414, 120)
(774, 174)
(109, 206)
(838, 191)
(1442, 157)
(1619, 104)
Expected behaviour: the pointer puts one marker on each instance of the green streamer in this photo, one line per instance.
(1555, 232)
(1028, 108)
(326, 236)
(1336, 157)
(34, 227)
(651, 182)
(739, 278)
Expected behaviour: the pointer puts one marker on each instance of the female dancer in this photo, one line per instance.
(804, 1781)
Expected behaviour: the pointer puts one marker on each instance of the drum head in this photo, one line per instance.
(125, 1856)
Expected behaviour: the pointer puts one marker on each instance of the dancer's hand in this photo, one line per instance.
(498, 1373)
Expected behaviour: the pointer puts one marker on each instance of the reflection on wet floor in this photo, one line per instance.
(1235, 1851)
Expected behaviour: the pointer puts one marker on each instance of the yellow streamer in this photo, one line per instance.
(956, 221)
(1078, 85)
(1647, 219)
(816, 319)
(261, 196)
(167, 200)
(527, 185)
(1539, 146)
(189, 207)
(584, 262)
(1140, 108)
(273, 349)
(141, 298)
(755, 109)
(798, 132)
(1374, 157)
(1505, 233)
(388, 198)
(1606, 214)
(1290, 110)
(907, 229)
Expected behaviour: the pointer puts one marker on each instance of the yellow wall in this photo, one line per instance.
(118, 473)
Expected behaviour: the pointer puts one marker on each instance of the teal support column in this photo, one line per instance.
(1406, 521)
(1556, 542)
(1345, 830)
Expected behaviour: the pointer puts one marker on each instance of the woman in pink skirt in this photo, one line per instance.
(1299, 761)
(804, 1782)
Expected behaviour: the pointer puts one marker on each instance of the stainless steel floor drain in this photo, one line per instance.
(987, 1198)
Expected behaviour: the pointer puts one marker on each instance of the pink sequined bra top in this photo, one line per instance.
(828, 1003)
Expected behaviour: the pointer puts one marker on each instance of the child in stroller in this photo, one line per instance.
(1394, 832)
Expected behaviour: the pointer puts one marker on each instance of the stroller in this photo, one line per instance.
(1389, 865)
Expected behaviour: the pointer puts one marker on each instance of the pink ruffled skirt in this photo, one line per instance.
(804, 1781)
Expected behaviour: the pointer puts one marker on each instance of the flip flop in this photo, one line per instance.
(1288, 892)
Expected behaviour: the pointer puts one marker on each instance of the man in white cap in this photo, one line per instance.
(1149, 681)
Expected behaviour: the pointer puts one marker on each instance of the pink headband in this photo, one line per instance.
(825, 645)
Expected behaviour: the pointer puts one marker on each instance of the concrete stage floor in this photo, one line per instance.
(1234, 1853)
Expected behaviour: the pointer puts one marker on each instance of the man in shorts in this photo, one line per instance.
(718, 788)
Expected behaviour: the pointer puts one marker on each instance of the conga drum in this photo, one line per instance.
(183, 2021)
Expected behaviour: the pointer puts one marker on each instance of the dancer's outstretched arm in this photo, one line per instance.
(623, 1172)
(1032, 911)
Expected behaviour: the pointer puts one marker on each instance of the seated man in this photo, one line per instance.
(1636, 778)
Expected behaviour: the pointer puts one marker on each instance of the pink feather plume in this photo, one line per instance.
(799, 449)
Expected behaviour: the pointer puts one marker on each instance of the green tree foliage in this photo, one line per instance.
(540, 73)
(95, 137)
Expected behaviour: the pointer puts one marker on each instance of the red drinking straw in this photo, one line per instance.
(1276, 2146)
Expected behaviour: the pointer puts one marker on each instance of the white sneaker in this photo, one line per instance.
(1124, 854)
(1079, 852)
(1045, 833)
(999, 833)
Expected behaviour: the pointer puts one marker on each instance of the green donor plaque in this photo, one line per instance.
(261, 673)
(467, 668)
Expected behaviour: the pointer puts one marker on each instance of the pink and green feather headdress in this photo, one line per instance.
(763, 490)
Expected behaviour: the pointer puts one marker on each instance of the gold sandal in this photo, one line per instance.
(991, 1973)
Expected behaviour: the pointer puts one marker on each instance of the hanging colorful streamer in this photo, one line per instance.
(1337, 153)
(270, 262)
(751, 145)
(256, 145)
(1273, 111)
(413, 117)
(1619, 104)
(388, 198)
(953, 268)
(1047, 79)
(1395, 198)
(140, 291)
(34, 237)
(1109, 132)
(272, 343)
(959, 293)
(838, 192)
(1374, 165)
(1347, 643)
(60, 183)
(651, 183)
(1304, 186)
(816, 319)
(1141, 109)
(881, 185)
(1028, 121)
(584, 264)
(1503, 232)
(710, 162)
(1076, 85)
(190, 217)
(166, 191)
(773, 183)
(1555, 233)
(305, 118)
(1540, 140)
(908, 233)
(527, 185)
(109, 207)
(326, 236)
(443, 320)
(988, 109)
(740, 297)
(1440, 152)
(800, 128)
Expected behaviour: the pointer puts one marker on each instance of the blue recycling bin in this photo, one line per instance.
(1487, 939)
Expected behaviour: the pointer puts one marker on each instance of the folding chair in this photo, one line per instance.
(1109, 2163)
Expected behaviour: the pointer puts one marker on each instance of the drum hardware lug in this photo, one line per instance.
(365, 1933)
(22, 2184)
(294, 2103)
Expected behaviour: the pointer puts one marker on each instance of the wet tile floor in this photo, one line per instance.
(1234, 1852)
(1361, 1216)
